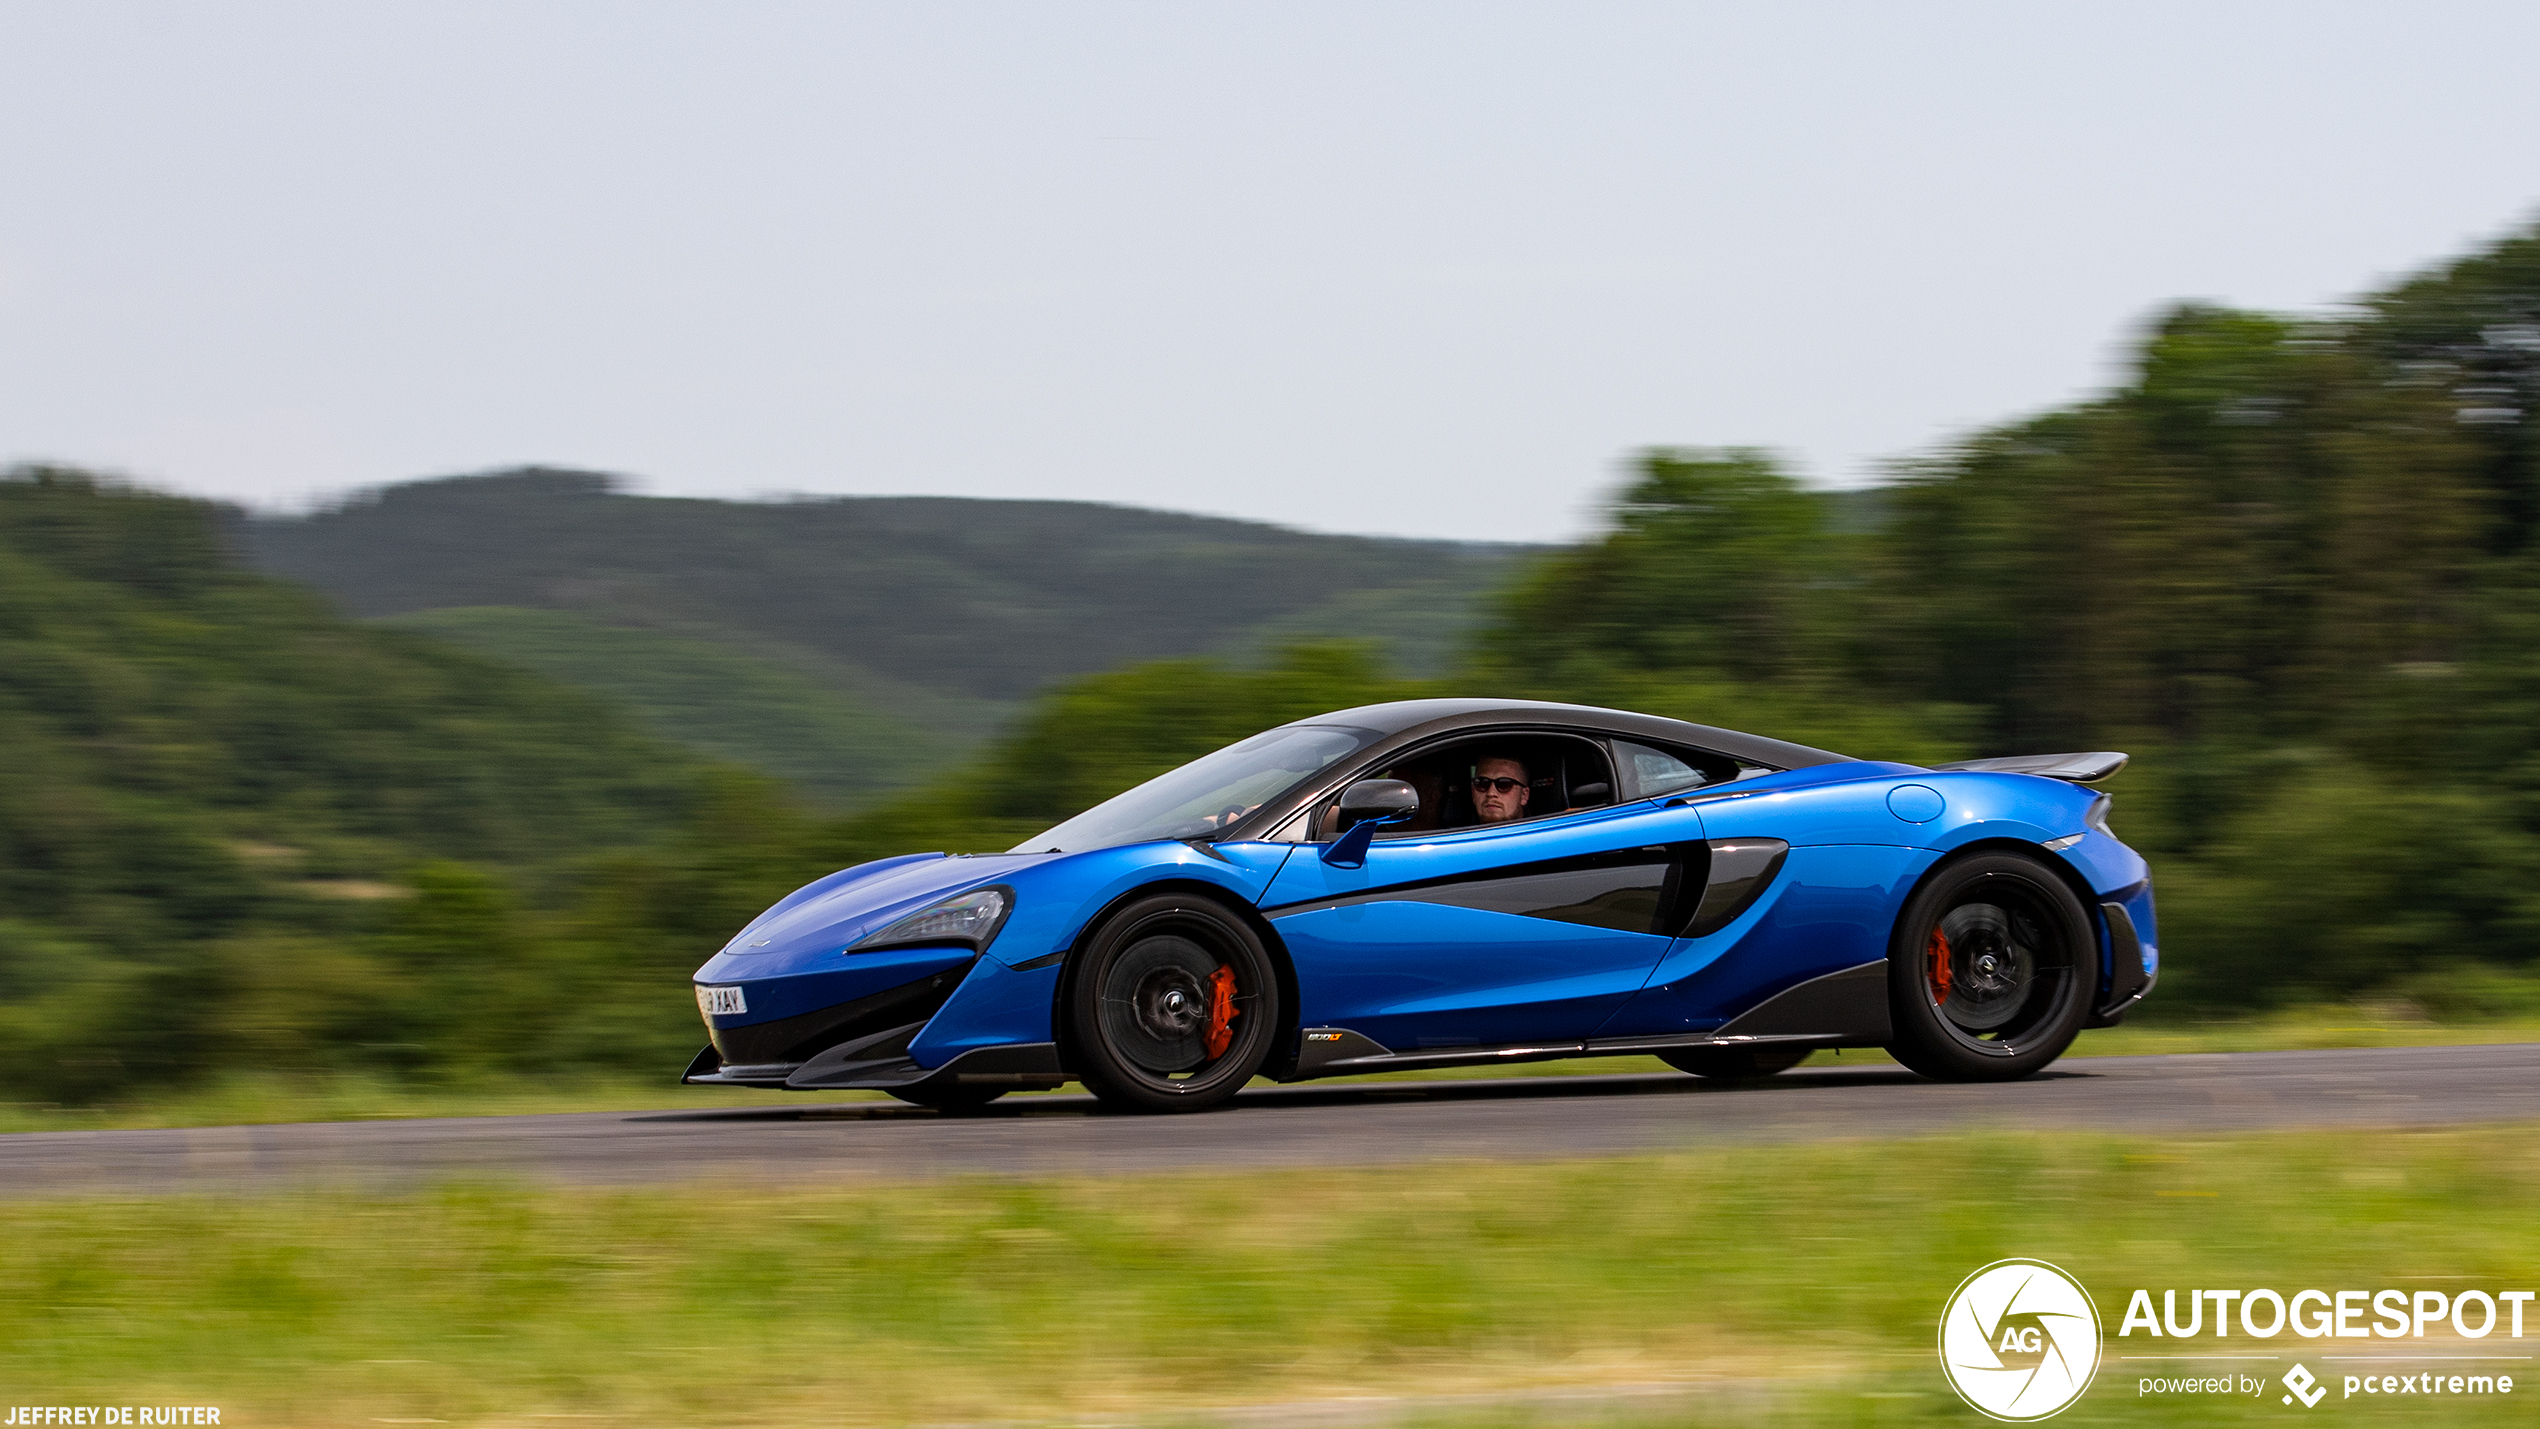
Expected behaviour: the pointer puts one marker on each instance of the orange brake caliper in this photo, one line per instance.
(1221, 1012)
(1939, 967)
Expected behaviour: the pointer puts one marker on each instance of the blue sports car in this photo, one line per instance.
(1454, 882)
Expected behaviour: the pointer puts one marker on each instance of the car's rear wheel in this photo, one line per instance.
(1991, 970)
(950, 1099)
(1173, 1007)
(1734, 1064)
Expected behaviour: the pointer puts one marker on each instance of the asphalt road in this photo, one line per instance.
(1309, 1125)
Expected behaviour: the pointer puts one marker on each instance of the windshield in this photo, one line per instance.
(1209, 793)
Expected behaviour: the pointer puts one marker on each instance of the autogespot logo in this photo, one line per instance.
(2019, 1340)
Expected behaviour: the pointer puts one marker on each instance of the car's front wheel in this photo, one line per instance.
(1990, 971)
(1173, 1007)
(1734, 1064)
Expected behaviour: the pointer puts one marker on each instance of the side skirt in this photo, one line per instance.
(1840, 1009)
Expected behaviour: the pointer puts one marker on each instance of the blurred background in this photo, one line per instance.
(892, 429)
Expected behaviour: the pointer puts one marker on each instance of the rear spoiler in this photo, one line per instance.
(2079, 768)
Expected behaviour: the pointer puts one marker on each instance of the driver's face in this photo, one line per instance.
(1495, 801)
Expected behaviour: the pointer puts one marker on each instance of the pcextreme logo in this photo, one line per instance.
(2019, 1340)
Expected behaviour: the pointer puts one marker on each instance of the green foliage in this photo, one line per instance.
(208, 780)
(944, 613)
(2341, 878)
(1712, 568)
(1722, 594)
(2291, 565)
(836, 748)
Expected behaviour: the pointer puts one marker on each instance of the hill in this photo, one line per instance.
(932, 614)
(833, 746)
(213, 783)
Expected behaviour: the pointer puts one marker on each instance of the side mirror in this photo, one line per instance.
(1366, 806)
(1387, 801)
(1588, 796)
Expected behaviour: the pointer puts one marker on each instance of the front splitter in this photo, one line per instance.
(1017, 1066)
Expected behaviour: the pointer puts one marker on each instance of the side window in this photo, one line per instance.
(1660, 771)
(1655, 771)
(1475, 779)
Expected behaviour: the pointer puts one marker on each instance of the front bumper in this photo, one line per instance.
(790, 1041)
(867, 1042)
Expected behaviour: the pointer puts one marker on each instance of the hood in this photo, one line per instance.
(829, 913)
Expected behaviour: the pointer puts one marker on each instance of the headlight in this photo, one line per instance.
(969, 918)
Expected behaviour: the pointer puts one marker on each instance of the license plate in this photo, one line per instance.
(721, 1001)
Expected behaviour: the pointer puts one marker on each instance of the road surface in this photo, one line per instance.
(1355, 1124)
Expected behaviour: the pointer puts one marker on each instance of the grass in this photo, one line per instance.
(247, 1100)
(1781, 1285)
(250, 1100)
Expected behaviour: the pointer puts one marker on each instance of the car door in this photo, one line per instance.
(1495, 935)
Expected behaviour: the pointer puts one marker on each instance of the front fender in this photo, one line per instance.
(1054, 901)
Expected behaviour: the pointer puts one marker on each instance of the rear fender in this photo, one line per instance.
(2064, 869)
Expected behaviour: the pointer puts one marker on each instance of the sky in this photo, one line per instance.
(1402, 268)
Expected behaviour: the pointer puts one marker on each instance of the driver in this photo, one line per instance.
(1500, 789)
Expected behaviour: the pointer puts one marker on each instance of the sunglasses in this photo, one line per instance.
(1503, 784)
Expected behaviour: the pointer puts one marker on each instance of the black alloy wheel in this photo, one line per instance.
(1991, 970)
(1173, 1006)
(1734, 1064)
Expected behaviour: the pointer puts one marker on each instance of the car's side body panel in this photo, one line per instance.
(1830, 908)
(1459, 977)
(1489, 934)
(1454, 854)
(1831, 804)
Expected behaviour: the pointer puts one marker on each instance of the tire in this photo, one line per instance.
(1734, 1064)
(1991, 970)
(953, 1099)
(1144, 1006)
